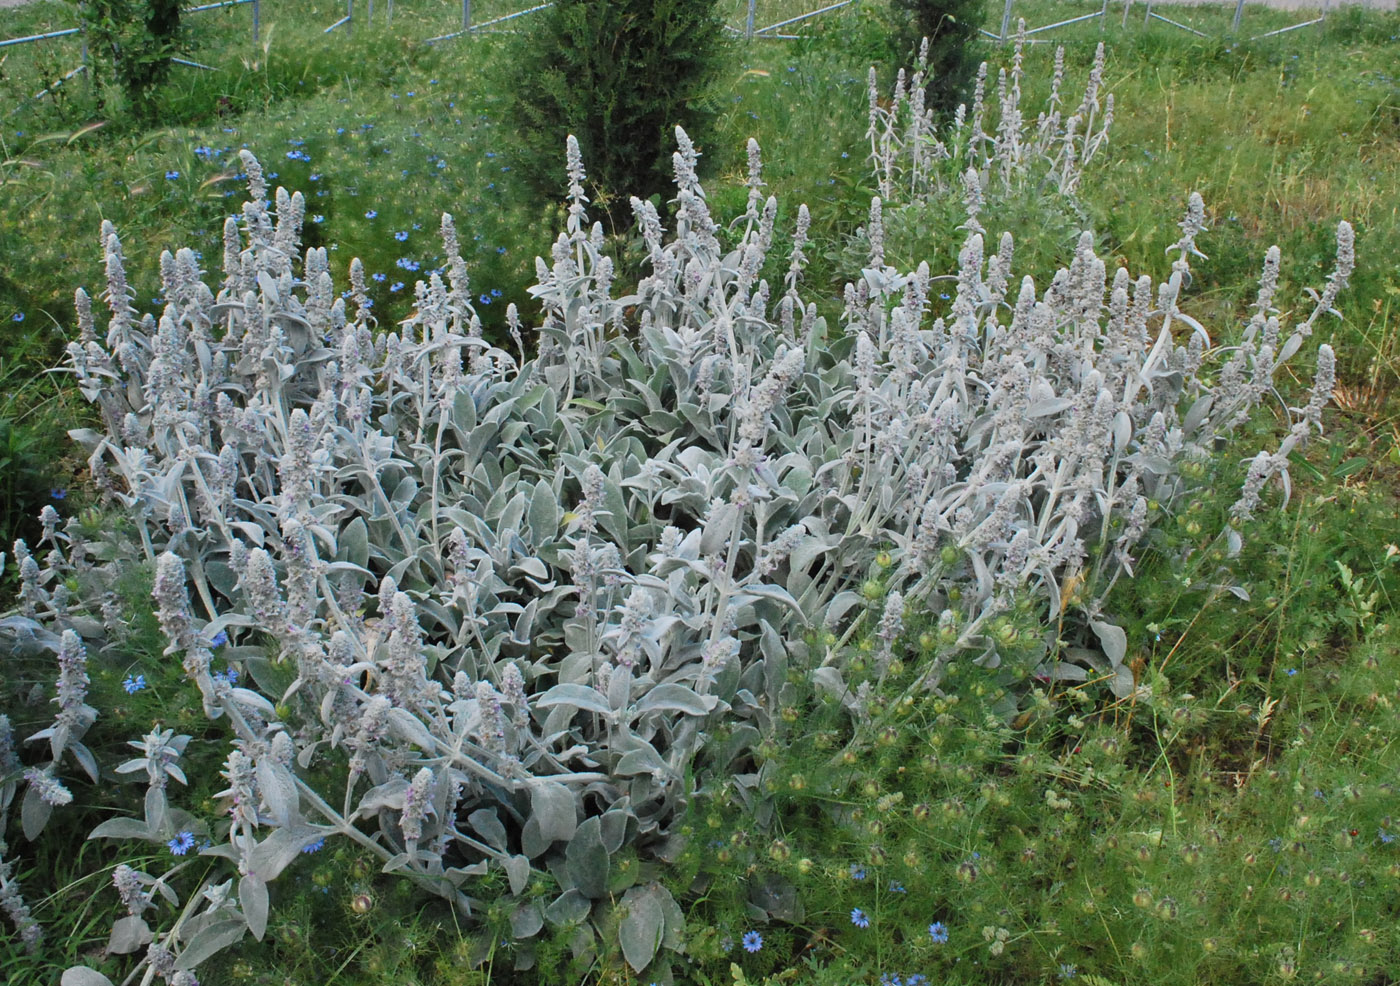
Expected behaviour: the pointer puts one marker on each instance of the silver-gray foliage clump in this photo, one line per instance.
(505, 598)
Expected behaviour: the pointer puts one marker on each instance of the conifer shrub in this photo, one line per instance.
(620, 76)
(953, 50)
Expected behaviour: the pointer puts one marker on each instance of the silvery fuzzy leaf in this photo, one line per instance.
(828, 681)
(1197, 415)
(578, 697)
(1113, 639)
(81, 975)
(776, 898)
(518, 872)
(719, 528)
(617, 825)
(641, 758)
(586, 860)
(279, 791)
(570, 907)
(121, 828)
(210, 940)
(639, 931)
(840, 605)
(555, 809)
(526, 920)
(252, 897)
(673, 698)
(354, 543)
(486, 824)
(409, 728)
(387, 795)
(128, 934)
(157, 811)
(34, 813)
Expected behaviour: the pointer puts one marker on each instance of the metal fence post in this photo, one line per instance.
(1005, 21)
(1103, 17)
(257, 21)
(1239, 12)
(748, 24)
(466, 15)
(349, 16)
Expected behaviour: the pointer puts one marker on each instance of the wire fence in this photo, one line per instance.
(226, 30)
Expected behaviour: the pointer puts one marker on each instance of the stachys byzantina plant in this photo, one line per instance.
(509, 610)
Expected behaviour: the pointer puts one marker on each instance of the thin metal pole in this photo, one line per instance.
(1239, 12)
(1005, 21)
(1127, 5)
(1147, 17)
(257, 22)
(466, 15)
(1103, 16)
(349, 16)
(748, 24)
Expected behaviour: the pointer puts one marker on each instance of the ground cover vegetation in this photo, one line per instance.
(667, 609)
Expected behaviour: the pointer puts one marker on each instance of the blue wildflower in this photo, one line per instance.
(1068, 971)
(1385, 837)
(171, 175)
(314, 847)
(181, 844)
(896, 888)
(134, 684)
(938, 931)
(58, 493)
(401, 235)
(857, 871)
(17, 317)
(371, 214)
(219, 639)
(859, 919)
(377, 276)
(396, 287)
(318, 219)
(752, 941)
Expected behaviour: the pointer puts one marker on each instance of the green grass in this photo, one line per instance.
(1232, 829)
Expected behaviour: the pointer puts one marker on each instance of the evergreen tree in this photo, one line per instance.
(953, 49)
(619, 75)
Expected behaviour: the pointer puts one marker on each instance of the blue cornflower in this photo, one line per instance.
(318, 219)
(181, 844)
(495, 292)
(314, 847)
(938, 931)
(859, 919)
(752, 941)
(401, 235)
(219, 639)
(1385, 837)
(857, 871)
(485, 299)
(916, 979)
(500, 250)
(371, 214)
(896, 888)
(340, 130)
(377, 276)
(316, 177)
(58, 493)
(1068, 971)
(17, 317)
(134, 684)
(396, 287)
(1292, 672)
(171, 175)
